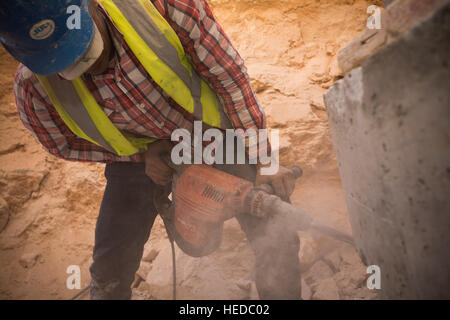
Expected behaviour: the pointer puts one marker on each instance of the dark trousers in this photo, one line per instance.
(123, 227)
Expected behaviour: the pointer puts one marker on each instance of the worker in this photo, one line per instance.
(109, 81)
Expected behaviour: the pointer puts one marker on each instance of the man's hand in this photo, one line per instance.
(155, 167)
(283, 182)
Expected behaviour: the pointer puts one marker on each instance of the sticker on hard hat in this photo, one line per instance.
(42, 30)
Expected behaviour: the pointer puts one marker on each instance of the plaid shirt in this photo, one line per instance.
(134, 102)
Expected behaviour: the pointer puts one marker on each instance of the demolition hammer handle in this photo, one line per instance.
(331, 232)
(296, 171)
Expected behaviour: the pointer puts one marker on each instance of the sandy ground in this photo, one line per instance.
(51, 205)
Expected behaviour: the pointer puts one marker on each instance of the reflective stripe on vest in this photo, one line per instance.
(86, 119)
(159, 50)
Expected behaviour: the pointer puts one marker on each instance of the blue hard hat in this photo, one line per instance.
(43, 35)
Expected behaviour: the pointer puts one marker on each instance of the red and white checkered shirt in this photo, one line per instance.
(134, 102)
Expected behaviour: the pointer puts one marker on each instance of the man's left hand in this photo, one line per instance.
(283, 182)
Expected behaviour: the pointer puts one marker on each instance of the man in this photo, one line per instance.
(118, 61)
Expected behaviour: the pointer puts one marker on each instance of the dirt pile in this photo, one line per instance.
(49, 206)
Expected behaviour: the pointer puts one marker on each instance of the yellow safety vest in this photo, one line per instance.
(159, 50)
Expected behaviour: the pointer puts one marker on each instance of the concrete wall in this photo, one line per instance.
(390, 122)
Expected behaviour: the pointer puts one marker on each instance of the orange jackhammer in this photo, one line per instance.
(203, 198)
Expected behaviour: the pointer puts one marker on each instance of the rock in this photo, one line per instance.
(310, 50)
(253, 292)
(335, 71)
(244, 284)
(150, 255)
(318, 108)
(306, 291)
(326, 290)
(197, 278)
(138, 294)
(13, 147)
(260, 86)
(287, 109)
(160, 223)
(349, 256)
(28, 260)
(319, 78)
(319, 271)
(334, 259)
(4, 214)
(317, 104)
(17, 186)
(12, 243)
(144, 269)
(352, 272)
(309, 248)
(351, 277)
(330, 48)
(358, 293)
(83, 188)
(285, 146)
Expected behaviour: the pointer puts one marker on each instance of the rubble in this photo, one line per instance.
(150, 255)
(210, 277)
(4, 214)
(17, 186)
(144, 269)
(28, 260)
(306, 291)
(309, 249)
(320, 270)
(326, 290)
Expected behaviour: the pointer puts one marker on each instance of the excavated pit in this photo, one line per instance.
(289, 48)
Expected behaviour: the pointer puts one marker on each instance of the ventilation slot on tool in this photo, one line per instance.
(210, 193)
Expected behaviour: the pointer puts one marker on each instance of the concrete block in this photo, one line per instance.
(389, 121)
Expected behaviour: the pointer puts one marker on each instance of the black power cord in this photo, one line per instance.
(81, 293)
(174, 272)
